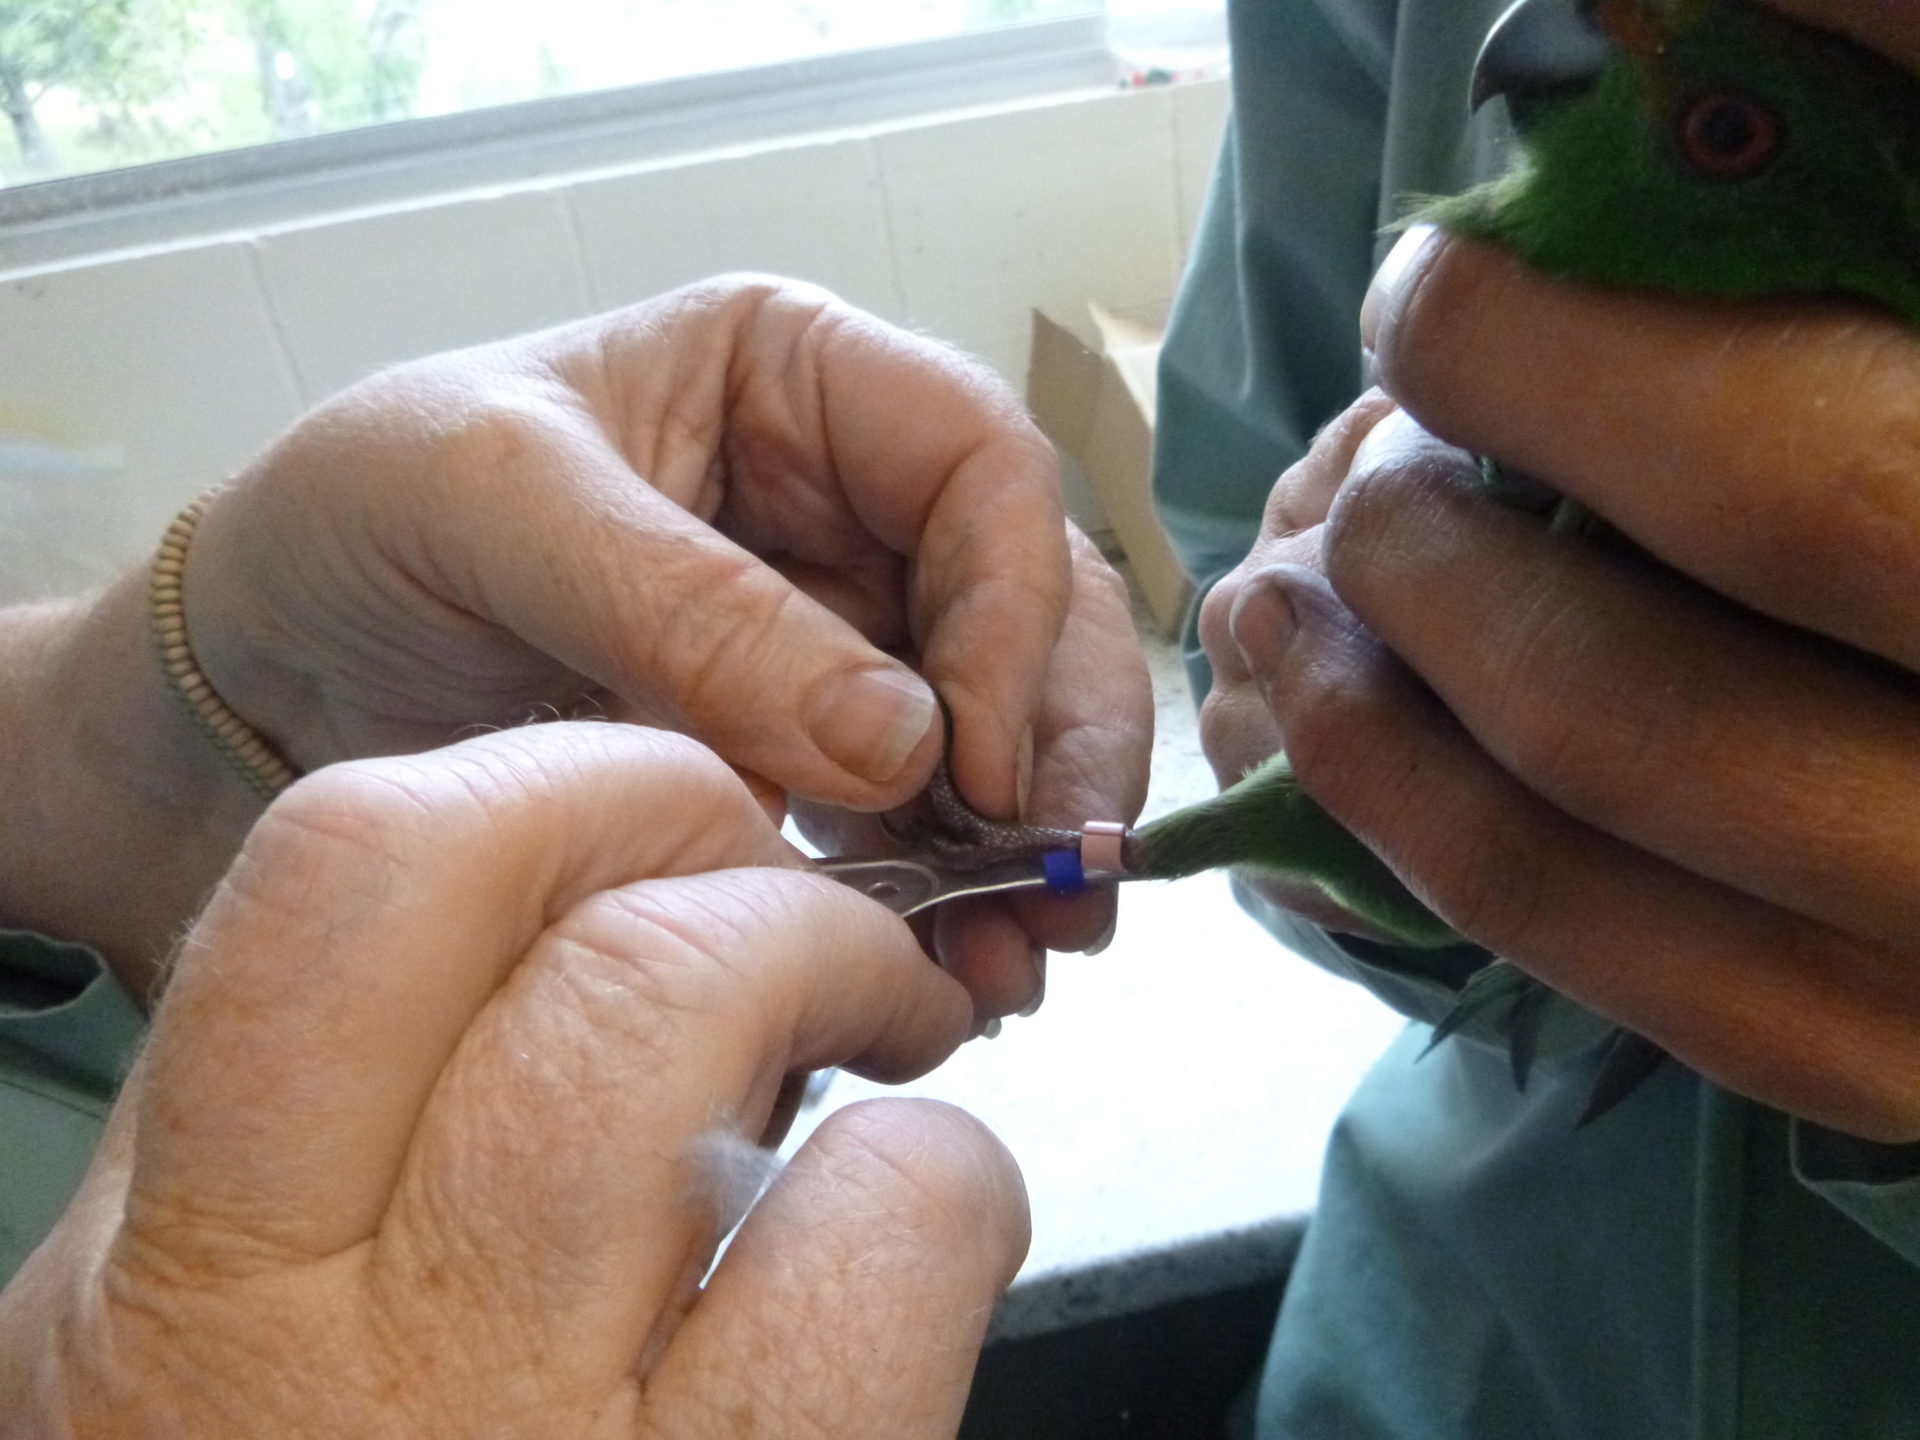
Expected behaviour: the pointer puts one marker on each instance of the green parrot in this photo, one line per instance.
(1709, 147)
(1704, 147)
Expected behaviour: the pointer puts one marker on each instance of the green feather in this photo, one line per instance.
(1268, 823)
(1605, 191)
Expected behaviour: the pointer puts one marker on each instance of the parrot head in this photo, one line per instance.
(1703, 146)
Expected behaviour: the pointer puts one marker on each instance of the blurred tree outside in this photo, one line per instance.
(326, 65)
(117, 57)
(92, 84)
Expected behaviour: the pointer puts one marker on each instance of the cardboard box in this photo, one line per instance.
(1095, 402)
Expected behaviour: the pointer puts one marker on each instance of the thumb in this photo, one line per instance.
(861, 1285)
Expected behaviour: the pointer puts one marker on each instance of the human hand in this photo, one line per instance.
(1889, 26)
(1687, 805)
(1239, 729)
(416, 1147)
(744, 511)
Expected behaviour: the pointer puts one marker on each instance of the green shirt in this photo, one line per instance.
(1691, 1267)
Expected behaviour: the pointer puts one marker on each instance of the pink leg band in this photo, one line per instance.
(1100, 847)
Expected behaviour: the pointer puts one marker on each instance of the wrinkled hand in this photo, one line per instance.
(744, 511)
(416, 1147)
(1686, 802)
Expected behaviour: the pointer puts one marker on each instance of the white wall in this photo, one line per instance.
(181, 362)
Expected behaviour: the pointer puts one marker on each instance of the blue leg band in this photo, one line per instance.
(1065, 876)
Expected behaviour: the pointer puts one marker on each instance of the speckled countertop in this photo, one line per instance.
(1170, 1103)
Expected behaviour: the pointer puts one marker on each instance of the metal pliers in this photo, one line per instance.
(955, 851)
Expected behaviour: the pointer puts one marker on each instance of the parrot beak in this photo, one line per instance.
(1539, 49)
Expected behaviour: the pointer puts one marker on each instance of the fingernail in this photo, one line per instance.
(1387, 293)
(1263, 624)
(1032, 1007)
(871, 721)
(990, 1030)
(1106, 936)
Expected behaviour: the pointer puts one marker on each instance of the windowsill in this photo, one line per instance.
(1170, 1103)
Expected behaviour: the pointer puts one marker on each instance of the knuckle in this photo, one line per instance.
(712, 781)
(1559, 755)
(1867, 1070)
(343, 846)
(1299, 498)
(1469, 868)
(685, 944)
(1333, 738)
(1871, 1097)
(1856, 533)
(1888, 1118)
(1360, 524)
(1607, 728)
(744, 628)
(369, 824)
(1216, 614)
(1497, 900)
(759, 288)
(1567, 708)
(1825, 1029)
(1093, 572)
(1840, 526)
(491, 434)
(648, 987)
(929, 1157)
(355, 817)
(529, 766)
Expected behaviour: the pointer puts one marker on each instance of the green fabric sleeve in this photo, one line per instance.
(1875, 1186)
(1262, 348)
(67, 1033)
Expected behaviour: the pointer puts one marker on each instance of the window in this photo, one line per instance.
(91, 85)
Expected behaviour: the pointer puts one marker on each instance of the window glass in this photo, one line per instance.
(91, 85)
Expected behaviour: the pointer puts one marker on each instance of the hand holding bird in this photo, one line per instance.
(1675, 777)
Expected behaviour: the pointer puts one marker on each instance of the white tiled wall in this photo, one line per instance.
(351, 296)
(167, 363)
(815, 211)
(184, 361)
(1199, 118)
(1055, 207)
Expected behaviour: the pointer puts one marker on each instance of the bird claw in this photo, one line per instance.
(1629, 1060)
(1522, 1003)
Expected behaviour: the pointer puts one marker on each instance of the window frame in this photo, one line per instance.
(45, 222)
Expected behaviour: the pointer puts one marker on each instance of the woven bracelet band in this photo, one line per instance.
(263, 768)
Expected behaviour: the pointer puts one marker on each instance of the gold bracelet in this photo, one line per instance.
(263, 767)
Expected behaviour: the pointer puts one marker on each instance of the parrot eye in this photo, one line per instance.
(1728, 137)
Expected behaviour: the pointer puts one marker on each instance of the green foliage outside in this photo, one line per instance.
(93, 84)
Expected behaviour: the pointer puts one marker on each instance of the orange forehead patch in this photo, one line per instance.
(1632, 26)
